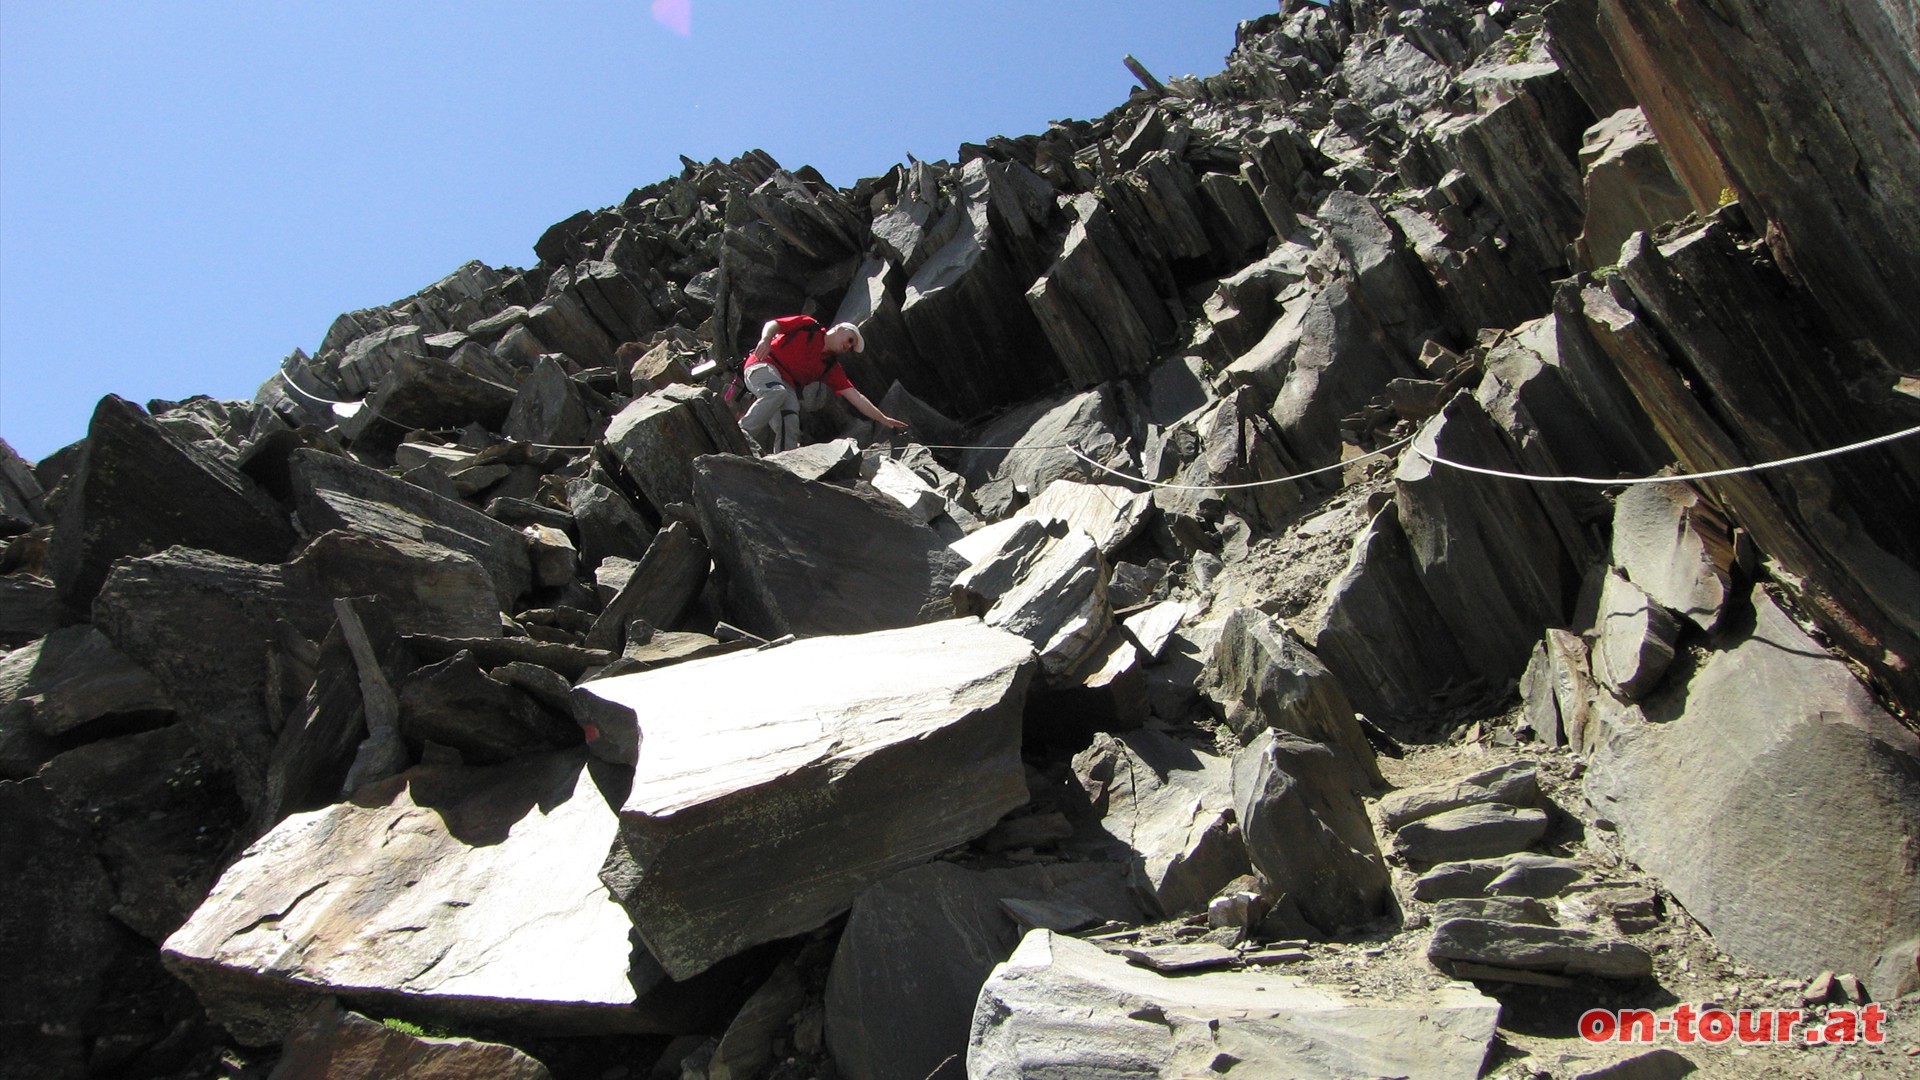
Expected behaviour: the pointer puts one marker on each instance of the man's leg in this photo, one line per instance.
(770, 395)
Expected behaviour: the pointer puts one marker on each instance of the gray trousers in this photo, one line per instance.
(775, 408)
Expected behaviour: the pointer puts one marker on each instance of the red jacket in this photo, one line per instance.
(799, 353)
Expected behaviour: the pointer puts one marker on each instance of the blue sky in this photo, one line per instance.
(190, 190)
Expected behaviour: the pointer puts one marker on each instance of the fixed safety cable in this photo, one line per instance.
(1681, 478)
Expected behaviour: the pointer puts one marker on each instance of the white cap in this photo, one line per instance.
(859, 339)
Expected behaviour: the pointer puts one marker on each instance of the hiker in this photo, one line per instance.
(794, 353)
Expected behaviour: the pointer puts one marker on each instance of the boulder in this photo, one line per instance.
(425, 392)
(1822, 881)
(1677, 548)
(1518, 946)
(766, 796)
(1517, 784)
(1628, 184)
(1164, 808)
(1634, 639)
(1307, 833)
(22, 499)
(811, 558)
(1029, 447)
(665, 583)
(330, 1043)
(1474, 831)
(454, 703)
(1109, 513)
(607, 524)
(1537, 876)
(1262, 677)
(29, 609)
(332, 492)
(126, 497)
(550, 409)
(445, 894)
(425, 587)
(657, 437)
(919, 945)
(1066, 1006)
(73, 677)
(1045, 582)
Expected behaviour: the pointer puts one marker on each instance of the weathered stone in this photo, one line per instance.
(1234, 444)
(550, 409)
(836, 460)
(1307, 832)
(1045, 582)
(1165, 808)
(454, 703)
(329, 1043)
(809, 558)
(664, 584)
(1677, 548)
(1517, 784)
(904, 486)
(608, 524)
(1334, 356)
(332, 492)
(1541, 715)
(1094, 303)
(657, 438)
(1028, 445)
(427, 588)
(1526, 947)
(1537, 876)
(1484, 548)
(757, 778)
(129, 496)
(1263, 678)
(1824, 880)
(22, 499)
(1897, 973)
(570, 660)
(30, 609)
(1473, 831)
(1651, 1065)
(1512, 909)
(1634, 639)
(919, 945)
(1629, 186)
(1109, 513)
(447, 893)
(1066, 1005)
(1380, 633)
(72, 677)
(420, 391)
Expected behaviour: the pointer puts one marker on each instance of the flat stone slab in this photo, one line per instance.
(1537, 876)
(1516, 784)
(773, 786)
(1477, 831)
(1061, 1007)
(451, 891)
(1557, 950)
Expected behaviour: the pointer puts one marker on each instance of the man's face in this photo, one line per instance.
(839, 341)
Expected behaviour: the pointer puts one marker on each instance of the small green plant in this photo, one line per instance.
(1727, 196)
(408, 1028)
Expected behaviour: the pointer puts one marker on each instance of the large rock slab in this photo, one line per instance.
(1634, 639)
(130, 496)
(1064, 1007)
(1475, 831)
(661, 588)
(1628, 184)
(446, 893)
(772, 787)
(332, 492)
(1109, 513)
(811, 558)
(1306, 831)
(1165, 808)
(1516, 784)
(1677, 548)
(1825, 880)
(657, 437)
(1047, 582)
(426, 588)
(71, 677)
(1027, 449)
(919, 945)
(1555, 950)
(331, 1043)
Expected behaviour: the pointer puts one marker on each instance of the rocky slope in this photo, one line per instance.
(1166, 702)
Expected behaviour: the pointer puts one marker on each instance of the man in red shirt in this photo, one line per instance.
(794, 353)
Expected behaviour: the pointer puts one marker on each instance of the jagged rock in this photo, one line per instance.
(1634, 639)
(1307, 832)
(446, 893)
(1063, 1004)
(1235, 444)
(1263, 678)
(757, 778)
(663, 585)
(1512, 909)
(836, 460)
(1473, 831)
(59, 945)
(608, 524)
(1511, 875)
(746, 1048)
(1517, 784)
(1095, 304)
(22, 499)
(204, 626)
(330, 1043)
(551, 551)
(1824, 880)
(1105, 692)
(1397, 291)
(919, 945)
(657, 438)
(1379, 632)
(427, 588)
(1109, 513)
(1485, 550)
(1028, 446)
(1045, 582)
(1322, 364)
(1897, 973)
(1541, 718)
(1165, 808)
(1676, 548)
(809, 558)
(571, 661)
(127, 499)
(425, 392)
(1527, 947)
(563, 321)
(454, 703)
(314, 751)
(30, 609)
(72, 677)
(551, 410)
(904, 486)
(332, 492)
(1629, 186)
